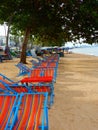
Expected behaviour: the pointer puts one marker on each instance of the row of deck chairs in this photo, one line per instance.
(49, 63)
(44, 70)
(24, 106)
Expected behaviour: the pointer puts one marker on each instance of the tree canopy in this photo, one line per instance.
(54, 21)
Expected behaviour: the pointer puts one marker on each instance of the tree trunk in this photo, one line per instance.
(24, 46)
(7, 37)
(8, 31)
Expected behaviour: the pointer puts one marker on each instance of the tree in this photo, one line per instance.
(85, 20)
(54, 21)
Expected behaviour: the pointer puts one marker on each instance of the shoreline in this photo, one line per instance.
(93, 50)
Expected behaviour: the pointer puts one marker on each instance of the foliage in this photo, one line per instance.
(50, 19)
(53, 21)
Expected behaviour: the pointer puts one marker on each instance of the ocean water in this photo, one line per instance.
(92, 50)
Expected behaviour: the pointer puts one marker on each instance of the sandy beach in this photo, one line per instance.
(76, 92)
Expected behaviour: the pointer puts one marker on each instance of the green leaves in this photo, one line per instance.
(52, 18)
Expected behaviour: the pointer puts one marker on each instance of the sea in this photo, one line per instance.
(88, 50)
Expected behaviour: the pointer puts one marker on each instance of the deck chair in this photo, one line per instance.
(45, 76)
(24, 70)
(44, 72)
(41, 83)
(23, 88)
(31, 113)
(9, 86)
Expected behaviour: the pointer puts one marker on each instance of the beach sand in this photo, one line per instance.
(76, 92)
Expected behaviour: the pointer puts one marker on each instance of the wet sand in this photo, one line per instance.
(76, 92)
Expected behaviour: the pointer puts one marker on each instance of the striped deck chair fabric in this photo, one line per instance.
(35, 72)
(49, 88)
(32, 113)
(6, 104)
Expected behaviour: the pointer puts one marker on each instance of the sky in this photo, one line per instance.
(3, 30)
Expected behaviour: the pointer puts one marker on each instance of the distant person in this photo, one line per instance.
(7, 52)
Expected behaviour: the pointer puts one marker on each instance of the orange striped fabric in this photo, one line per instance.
(31, 121)
(35, 73)
(38, 114)
(20, 114)
(49, 72)
(19, 89)
(1, 103)
(6, 109)
(27, 115)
